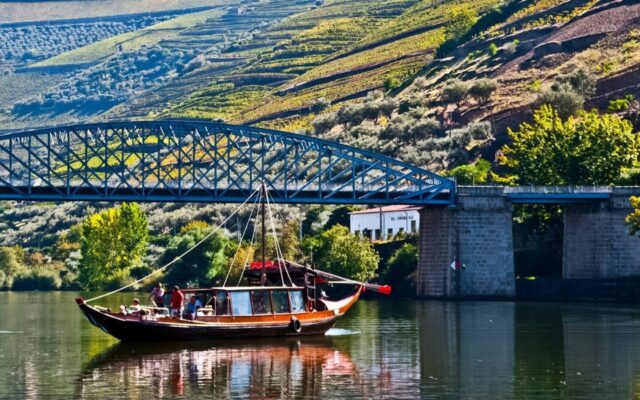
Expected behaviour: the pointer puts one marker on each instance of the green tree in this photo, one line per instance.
(11, 265)
(312, 218)
(591, 149)
(289, 240)
(339, 252)
(401, 265)
(471, 174)
(340, 216)
(462, 19)
(113, 241)
(633, 219)
(203, 264)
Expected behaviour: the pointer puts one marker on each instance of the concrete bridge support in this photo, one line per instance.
(597, 243)
(478, 233)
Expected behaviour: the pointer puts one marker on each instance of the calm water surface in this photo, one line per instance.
(381, 349)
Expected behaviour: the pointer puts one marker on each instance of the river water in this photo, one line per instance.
(380, 349)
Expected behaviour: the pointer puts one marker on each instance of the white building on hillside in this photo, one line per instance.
(386, 222)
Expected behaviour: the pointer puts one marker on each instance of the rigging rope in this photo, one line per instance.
(279, 254)
(249, 254)
(167, 265)
(244, 232)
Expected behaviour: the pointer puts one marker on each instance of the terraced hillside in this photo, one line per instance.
(281, 63)
(90, 80)
(461, 105)
(356, 48)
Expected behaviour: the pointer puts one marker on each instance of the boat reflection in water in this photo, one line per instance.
(283, 368)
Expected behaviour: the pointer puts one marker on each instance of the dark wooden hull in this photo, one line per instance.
(137, 330)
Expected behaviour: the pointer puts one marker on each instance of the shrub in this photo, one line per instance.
(482, 89)
(323, 123)
(320, 104)
(493, 49)
(39, 278)
(454, 92)
(563, 99)
(621, 104)
(511, 47)
(580, 80)
(391, 83)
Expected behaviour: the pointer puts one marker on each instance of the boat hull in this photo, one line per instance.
(136, 330)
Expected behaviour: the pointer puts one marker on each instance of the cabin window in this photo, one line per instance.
(280, 301)
(222, 303)
(413, 226)
(260, 302)
(297, 303)
(240, 303)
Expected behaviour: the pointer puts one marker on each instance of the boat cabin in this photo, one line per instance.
(246, 301)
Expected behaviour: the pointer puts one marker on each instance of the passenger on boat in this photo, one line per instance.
(177, 297)
(134, 308)
(192, 308)
(157, 295)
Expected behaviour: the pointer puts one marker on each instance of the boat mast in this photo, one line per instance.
(263, 275)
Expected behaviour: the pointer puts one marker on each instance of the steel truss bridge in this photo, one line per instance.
(194, 161)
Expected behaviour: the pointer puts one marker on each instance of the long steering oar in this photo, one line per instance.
(382, 289)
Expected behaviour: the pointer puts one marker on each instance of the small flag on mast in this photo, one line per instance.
(455, 265)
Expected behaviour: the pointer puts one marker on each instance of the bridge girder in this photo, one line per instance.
(194, 161)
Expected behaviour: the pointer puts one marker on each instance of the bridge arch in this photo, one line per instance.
(197, 161)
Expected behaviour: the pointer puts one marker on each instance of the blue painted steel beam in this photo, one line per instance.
(557, 198)
(197, 161)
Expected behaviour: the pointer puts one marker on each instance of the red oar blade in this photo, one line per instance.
(384, 289)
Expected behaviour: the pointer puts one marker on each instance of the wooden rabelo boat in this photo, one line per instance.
(266, 306)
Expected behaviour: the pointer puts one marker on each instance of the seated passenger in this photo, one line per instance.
(133, 309)
(192, 307)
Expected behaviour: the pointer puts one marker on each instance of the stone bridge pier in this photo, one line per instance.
(466, 251)
(475, 237)
(596, 241)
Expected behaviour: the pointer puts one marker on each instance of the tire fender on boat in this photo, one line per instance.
(296, 325)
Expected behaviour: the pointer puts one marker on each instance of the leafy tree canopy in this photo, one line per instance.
(339, 252)
(113, 241)
(340, 216)
(590, 149)
(471, 174)
(401, 264)
(203, 264)
(462, 19)
(633, 219)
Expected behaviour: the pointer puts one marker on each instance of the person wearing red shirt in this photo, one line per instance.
(177, 299)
